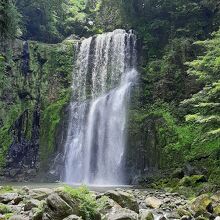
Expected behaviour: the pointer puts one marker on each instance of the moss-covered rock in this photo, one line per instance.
(146, 215)
(202, 204)
(82, 201)
(178, 173)
(4, 209)
(216, 210)
(124, 199)
(192, 180)
(216, 197)
(57, 208)
(50, 120)
(183, 212)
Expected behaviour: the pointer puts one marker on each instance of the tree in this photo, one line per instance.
(75, 18)
(205, 105)
(109, 15)
(54, 20)
(40, 19)
(9, 20)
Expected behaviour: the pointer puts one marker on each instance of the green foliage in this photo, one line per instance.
(207, 66)
(171, 61)
(166, 78)
(198, 137)
(103, 203)
(39, 19)
(9, 20)
(50, 120)
(6, 189)
(6, 141)
(192, 180)
(189, 186)
(108, 15)
(177, 139)
(88, 205)
(75, 18)
(185, 140)
(4, 209)
(167, 30)
(215, 176)
(174, 138)
(55, 77)
(6, 138)
(8, 215)
(203, 107)
(159, 21)
(52, 21)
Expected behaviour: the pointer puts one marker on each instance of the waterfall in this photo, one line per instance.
(102, 81)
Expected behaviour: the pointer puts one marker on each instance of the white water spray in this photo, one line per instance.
(96, 139)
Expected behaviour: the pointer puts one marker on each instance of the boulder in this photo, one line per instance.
(124, 199)
(153, 202)
(190, 170)
(162, 218)
(17, 200)
(183, 212)
(121, 214)
(185, 217)
(16, 208)
(72, 202)
(14, 172)
(8, 197)
(202, 218)
(173, 215)
(178, 173)
(73, 217)
(108, 205)
(57, 208)
(32, 172)
(40, 193)
(25, 189)
(202, 204)
(19, 217)
(217, 210)
(36, 214)
(32, 203)
(146, 215)
(2, 217)
(216, 197)
(167, 200)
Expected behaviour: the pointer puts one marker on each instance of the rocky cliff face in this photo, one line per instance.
(35, 89)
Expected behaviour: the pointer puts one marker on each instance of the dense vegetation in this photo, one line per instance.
(9, 20)
(179, 67)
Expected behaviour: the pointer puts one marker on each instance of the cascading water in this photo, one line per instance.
(95, 145)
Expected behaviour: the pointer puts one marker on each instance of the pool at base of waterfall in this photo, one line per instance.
(33, 185)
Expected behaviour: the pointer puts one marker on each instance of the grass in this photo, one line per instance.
(88, 205)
